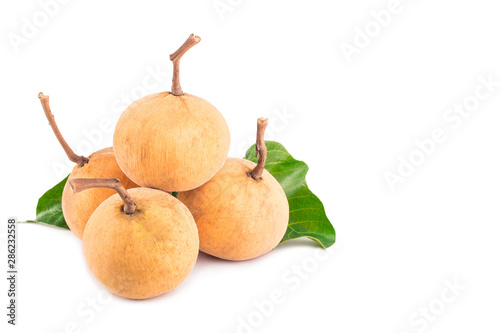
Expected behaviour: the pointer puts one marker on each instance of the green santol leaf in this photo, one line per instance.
(307, 213)
(49, 208)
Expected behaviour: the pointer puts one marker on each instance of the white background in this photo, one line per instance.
(350, 121)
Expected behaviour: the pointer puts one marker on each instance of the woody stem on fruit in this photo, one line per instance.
(260, 150)
(80, 160)
(80, 184)
(176, 58)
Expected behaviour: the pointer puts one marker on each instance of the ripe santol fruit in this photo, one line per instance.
(242, 212)
(77, 208)
(141, 243)
(171, 141)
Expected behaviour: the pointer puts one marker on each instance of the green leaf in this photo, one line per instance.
(49, 208)
(307, 213)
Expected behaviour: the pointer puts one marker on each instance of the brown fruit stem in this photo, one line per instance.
(260, 150)
(176, 58)
(80, 184)
(80, 160)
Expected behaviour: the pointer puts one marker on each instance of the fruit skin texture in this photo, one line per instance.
(78, 207)
(144, 254)
(238, 218)
(172, 143)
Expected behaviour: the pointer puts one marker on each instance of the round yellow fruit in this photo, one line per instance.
(78, 207)
(172, 143)
(143, 254)
(238, 217)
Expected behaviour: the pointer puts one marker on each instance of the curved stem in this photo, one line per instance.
(176, 58)
(80, 160)
(260, 150)
(80, 184)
